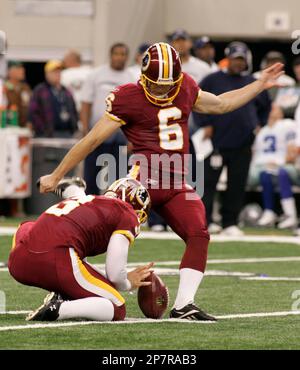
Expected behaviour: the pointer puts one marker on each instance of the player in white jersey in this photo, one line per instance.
(271, 168)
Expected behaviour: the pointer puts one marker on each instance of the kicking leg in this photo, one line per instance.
(187, 218)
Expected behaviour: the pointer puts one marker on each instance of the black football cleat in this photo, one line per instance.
(67, 181)
(191, 312)
(49, 310)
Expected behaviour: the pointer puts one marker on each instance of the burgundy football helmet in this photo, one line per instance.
(133, 192)
(161, 66)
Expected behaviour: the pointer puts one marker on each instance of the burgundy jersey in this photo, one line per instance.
(150, 128)
(85, 224)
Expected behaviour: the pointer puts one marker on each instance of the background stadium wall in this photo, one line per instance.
(145, 20)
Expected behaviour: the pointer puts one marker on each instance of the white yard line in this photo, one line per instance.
(270, 278)
(223, 261)
(209, 262)
(257, 239)
(259, 314)
(253, 260)
(146, 321)
(175, 272)
(222, 238)
(14, 312)
(7, 230)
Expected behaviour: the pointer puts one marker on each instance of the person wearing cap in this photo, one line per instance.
(270, 59)
(277, 94)
(197, 69)
(205, 51)
(17, 91)
(74, 75)
(52, 109)
(232, 137)
(135, 69)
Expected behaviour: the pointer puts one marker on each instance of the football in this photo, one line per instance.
(153, 299)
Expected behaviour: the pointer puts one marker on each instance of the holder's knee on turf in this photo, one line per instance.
(120, 312)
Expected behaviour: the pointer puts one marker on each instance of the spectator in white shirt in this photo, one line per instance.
(205, 51)
(196, 68)
(74, 75)
(96, 88)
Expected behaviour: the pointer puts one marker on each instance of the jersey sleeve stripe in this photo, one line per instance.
(127, 234)
(14, 241)
(90, 283)
(115, 118)
(198, 97)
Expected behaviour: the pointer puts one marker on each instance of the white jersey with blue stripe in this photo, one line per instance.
(272, 142)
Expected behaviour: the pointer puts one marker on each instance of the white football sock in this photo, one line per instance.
(73, 191)
(289, 207)
(188, 285)
(92, 308)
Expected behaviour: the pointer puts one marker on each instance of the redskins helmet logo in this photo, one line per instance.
(146, 61)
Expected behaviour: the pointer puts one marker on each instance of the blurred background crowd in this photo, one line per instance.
(251, 156)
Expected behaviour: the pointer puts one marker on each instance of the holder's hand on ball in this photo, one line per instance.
(137, 276)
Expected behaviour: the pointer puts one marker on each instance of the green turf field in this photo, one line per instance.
(219, 295)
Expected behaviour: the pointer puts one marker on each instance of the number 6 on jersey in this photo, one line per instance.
(170, 135)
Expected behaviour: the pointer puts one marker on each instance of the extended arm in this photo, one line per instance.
(211, 104)
(103, 129)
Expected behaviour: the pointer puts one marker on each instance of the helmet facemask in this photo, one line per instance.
(165, 98)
